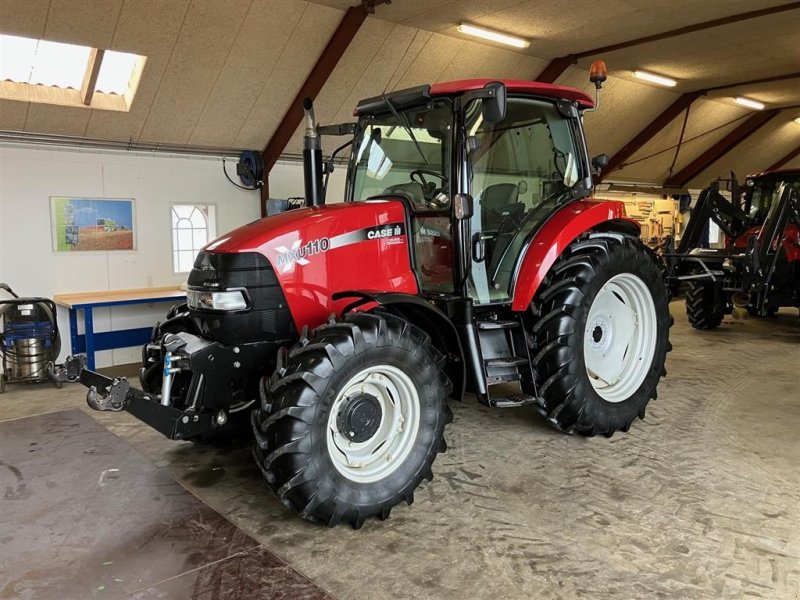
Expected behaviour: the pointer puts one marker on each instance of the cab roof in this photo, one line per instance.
(420, 94)
(793, 172)
(518, 86)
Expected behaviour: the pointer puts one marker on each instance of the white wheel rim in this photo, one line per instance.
(619, 339)
(384, 452)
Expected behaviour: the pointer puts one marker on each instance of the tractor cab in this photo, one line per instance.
(476, 179)
(760, 191)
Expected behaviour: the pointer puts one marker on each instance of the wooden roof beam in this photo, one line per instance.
(326, 63)
(722, 147)
(657, 37)
(793, 154)
(772, 79)
(557, 66)
(671, 112)
(91, 75)
(682, 103)
(556, 69)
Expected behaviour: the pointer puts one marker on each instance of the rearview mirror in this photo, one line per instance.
(462, 204)
(600, 162)
(494, 106)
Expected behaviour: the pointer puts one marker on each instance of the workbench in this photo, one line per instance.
(91, 341)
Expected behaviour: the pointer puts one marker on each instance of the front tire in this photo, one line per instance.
(704, 306)
(600, 335)
(356, 419)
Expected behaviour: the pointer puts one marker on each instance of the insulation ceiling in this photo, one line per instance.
(224, 73)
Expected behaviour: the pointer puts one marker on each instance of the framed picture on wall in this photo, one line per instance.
(92, 224)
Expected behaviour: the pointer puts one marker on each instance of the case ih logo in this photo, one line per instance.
(376, 233)
(299, 253)
(287, 257)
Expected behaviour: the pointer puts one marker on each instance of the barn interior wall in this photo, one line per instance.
(30, 176)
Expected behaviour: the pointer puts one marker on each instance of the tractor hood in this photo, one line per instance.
(318, 251)
(297, 228)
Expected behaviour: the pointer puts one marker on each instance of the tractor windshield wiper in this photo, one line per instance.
(407, 127)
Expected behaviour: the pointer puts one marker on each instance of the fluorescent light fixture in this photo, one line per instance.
(493, 36)
(653, 78)
(749, 103)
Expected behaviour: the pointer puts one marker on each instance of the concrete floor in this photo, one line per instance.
(701, 500)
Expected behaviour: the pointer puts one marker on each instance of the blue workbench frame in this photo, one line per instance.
(91, 341)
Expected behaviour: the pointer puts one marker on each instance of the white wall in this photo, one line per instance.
(29, 176)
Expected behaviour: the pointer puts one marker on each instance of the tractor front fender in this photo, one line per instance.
(424, 315)
(558, 232)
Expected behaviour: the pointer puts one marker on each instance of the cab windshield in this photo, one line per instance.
(405, 152)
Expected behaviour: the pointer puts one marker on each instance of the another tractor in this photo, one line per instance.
(468, 254)
(758, 270)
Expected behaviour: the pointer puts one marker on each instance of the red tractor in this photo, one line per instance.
(758, 270)
(468, 254)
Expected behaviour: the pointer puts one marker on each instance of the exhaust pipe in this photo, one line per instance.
(312, 158)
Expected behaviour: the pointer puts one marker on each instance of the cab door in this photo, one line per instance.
(515, 170)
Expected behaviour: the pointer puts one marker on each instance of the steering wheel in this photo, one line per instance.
(429, 189)
(418, 175)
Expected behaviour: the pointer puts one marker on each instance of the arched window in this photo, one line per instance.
(193, 226)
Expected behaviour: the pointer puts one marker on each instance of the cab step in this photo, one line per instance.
(503, 359)
(506, 361)
(512, 401)
(488, 325)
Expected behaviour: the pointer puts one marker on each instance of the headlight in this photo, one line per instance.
(230, 300)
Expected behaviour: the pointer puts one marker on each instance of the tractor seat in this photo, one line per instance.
(411, 190)
(499, 204)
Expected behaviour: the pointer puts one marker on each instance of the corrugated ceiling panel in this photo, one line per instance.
(63, 120)
(742, 51)
(296, 59)
(265, 31)
(23, 18)
(625, 109)
(382, 44)
(356, 77)
(12, 114)
(143, 28)
(203, 44)
(556, 30)
(83, 22)
(402, 57)
(708, 119)
(757, 152)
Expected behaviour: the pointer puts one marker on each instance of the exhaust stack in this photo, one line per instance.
(312, 158)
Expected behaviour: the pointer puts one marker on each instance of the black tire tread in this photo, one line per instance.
(556, 310)
(283, 440)
(701, 308)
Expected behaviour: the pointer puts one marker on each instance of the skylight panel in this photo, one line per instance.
(50, 72)
(16, 58)
(42, 62)
(116, 72)
(59, 65)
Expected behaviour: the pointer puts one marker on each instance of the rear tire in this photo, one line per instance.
(302, 444)
(703, 308)
(599, 283)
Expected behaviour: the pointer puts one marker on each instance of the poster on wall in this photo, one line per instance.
(91, 224)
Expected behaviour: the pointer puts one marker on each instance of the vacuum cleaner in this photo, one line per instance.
(30, 341)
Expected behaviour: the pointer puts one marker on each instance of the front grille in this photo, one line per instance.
(268, 319)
